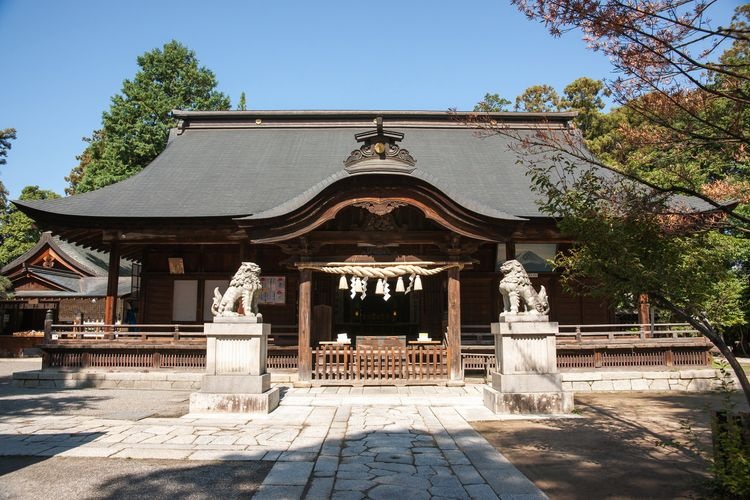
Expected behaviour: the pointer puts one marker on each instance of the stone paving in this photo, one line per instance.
(366, 442)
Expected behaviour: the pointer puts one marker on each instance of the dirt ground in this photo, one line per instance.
(632, 445)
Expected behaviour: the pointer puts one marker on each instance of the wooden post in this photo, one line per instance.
(644, 314)
(113, 279)
(305, 325)
(453, 335)
(48, 318)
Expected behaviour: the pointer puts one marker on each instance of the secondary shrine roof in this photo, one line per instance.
(266, 163)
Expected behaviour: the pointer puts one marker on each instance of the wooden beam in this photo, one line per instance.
(453, 335)
(305, 326)
(168, 235)
(113, 280)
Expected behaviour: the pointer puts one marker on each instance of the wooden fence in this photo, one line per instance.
(612, 346)
(172, 346)
(380, 364)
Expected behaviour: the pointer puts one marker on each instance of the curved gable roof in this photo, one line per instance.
(242, 164)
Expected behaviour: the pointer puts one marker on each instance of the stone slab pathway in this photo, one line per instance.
(341, 443)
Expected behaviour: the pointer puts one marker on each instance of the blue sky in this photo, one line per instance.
(62, 61)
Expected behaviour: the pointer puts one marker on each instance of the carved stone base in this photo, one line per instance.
(206, 402)
(239, 384)
(527, 382)
(528, 403)
(250, 319)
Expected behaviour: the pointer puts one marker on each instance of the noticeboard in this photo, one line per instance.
(273, 291)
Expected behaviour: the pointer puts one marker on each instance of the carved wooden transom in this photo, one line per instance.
(380, 207)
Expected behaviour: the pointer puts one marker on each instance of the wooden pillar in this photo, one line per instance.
(453, 335)
(304, 354)
(113, 279)
(644, 313)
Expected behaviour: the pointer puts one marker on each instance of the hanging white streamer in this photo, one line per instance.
(386, 291)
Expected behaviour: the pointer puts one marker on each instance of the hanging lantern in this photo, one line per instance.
(379, 287)
(418, 283)
(342, 283)
(400, 284)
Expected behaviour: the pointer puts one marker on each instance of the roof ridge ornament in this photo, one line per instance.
(380, 153)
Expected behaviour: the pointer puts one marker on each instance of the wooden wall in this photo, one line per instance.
(480, 298)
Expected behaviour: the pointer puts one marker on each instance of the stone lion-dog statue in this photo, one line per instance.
(516, 289)
(244, 289)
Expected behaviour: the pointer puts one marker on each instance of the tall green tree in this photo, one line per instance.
(17, 231)
(242, 103)
(6, 136)
(538, 99)
(136, 126)
(492, 103)
(586, 96)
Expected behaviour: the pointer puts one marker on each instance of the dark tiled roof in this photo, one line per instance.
(83, 287)
(90, 261)
(219, 167)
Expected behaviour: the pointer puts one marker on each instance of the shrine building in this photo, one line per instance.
(310, 196)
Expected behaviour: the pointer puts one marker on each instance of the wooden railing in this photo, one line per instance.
(168, 332)
(380, 364)
(183, 346)
(612, 346)
(614, 332)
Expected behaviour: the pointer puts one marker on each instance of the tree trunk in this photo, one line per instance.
(704, 327)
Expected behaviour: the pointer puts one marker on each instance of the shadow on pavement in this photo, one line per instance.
(64, 478)
(624, 446)
(124, 404)
(217, 480)
(18, 451)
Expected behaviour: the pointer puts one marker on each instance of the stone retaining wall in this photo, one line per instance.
(161, 380)
(695, 380)
(692, 380)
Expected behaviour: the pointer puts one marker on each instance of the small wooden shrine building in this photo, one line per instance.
(304, 193)
(69, 280)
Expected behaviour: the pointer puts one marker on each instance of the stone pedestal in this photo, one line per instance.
(236, 380)
(527, 380)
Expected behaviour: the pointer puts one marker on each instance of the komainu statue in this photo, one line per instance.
(516, 289)
(244, 289)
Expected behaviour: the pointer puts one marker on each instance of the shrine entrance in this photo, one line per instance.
(380, 258)
(373, 316)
